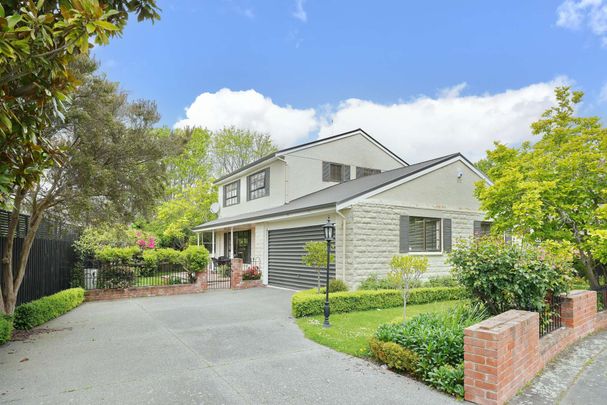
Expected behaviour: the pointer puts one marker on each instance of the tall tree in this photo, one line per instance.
(112, 169)
(38, 39)
(234, 148)
(556, 188)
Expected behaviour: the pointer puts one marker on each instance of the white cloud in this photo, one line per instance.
(426, 127)
(578, 14)
(251, 110)
(417, 129)
(299, 12)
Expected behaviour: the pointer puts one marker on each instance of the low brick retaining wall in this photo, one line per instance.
(236, 281)
(503, 353)
(200, 285)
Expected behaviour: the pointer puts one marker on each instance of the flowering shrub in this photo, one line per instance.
(508, 276)
(252, 273)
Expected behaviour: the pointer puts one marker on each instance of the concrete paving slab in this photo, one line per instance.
(576, 376)
(219, 347)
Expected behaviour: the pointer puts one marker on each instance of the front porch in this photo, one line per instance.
(226, 244)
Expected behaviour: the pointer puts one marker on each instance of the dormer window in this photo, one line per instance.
(231, 194)
(335, 172)
(258, 184)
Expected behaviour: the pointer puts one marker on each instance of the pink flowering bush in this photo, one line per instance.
(252, 273)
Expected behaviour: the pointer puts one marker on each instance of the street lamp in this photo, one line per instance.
(329, 229)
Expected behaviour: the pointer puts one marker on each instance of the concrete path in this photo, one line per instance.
(220, 347)
(577, 376)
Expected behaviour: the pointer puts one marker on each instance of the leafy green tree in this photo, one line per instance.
(38, 41)
(176, 217)
(555, 189)
(406, 271)
(234, 148)
(316, 257)
(112, 169)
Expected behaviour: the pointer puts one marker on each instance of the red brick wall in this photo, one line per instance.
(236, 278)
(118, 293)
(505, 352)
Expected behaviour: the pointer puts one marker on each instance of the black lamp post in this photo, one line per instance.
(329, 229)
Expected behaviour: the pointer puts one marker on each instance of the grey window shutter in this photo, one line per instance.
(266, 179)
(447, 239)
(404, 234)
(477, 228)
(238, 192)
(249, 187)
(326, 171)
(345, 173)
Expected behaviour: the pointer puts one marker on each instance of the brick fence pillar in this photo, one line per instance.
(500, 356)
(236, 274)
(202, 280)
(578, 311)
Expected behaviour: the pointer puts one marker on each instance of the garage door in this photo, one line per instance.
(285, 249)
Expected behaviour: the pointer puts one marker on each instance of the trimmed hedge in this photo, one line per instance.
(308, 302)
(6, 329)
(32, 314)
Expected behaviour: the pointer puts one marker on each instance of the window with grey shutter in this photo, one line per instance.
(424, 234)
(231, 194)
(482, 228)
(258, 184)
(447, 239)
(404, 234)
(335, 172)
(365, 171)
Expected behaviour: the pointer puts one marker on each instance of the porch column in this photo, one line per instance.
(231, 243)
(197, 238)
(213, 243)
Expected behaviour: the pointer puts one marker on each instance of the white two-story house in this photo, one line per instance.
(380, 204)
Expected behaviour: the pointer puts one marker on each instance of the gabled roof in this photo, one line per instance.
(341, 194)
(310, 144)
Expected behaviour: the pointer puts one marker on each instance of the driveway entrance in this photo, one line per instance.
(217, 347)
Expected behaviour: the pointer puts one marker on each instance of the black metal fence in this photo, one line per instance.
(107, 275)
(550, 316)
(51, 258)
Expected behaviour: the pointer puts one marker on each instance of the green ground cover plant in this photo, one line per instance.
(436, 340)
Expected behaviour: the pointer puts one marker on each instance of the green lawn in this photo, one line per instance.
(158, 279)
(350, 332)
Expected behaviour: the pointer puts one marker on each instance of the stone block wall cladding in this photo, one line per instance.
(199, 286)
(503, 353)
(373, 238)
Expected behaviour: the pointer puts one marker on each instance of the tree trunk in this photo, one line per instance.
(405, 296)
(11, 280)
(589, 268)
(7, 293)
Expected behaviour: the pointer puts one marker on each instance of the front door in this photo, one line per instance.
(242, 245)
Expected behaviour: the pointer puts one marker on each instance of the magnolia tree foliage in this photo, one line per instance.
(316, 257)
(556, 188)
(406, 271)
(38, 41)
(111, 171)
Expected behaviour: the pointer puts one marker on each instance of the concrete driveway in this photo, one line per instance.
(218, 347)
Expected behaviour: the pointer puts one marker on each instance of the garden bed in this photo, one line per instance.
(350, 332)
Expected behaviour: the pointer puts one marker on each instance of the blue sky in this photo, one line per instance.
(415, 74)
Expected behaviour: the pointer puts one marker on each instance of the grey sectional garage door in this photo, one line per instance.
(285, 249)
